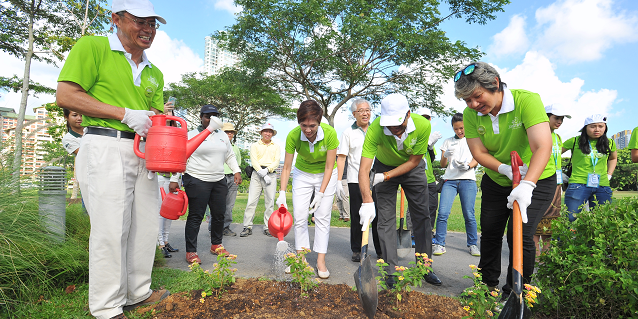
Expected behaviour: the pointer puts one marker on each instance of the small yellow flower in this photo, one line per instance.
(215, 265)
(417, 254)
(489, 313)
(494, 293)
(476, 274)
(201, 300)
(467, 308)
(397, 268)
(203, 294)
(401, 278)
(380, 261)
(473, 267)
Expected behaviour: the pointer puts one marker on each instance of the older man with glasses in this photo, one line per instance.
(112, 83)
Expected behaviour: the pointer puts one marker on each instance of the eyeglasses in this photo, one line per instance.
(141, 23)
(467, 71)
(364, 111)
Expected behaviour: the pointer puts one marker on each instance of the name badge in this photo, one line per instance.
(559, 176)
(593, 180)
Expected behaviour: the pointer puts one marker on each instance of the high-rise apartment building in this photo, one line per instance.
(622, 139)
(216, 58)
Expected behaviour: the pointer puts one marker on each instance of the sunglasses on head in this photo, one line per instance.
(467, 71)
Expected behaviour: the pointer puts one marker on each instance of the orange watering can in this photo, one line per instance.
(168, 147)
(173, 205)
(279, 225)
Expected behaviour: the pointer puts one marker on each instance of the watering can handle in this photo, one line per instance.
(516, 162)
(178, 119)
(185, 202)
(136, 147)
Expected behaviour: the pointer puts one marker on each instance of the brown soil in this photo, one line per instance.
(252, 298)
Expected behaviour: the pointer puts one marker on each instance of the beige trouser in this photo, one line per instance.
(123, 205)
(257, 184)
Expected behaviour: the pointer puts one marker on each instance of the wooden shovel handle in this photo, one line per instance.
(517, 220)
(402, 202)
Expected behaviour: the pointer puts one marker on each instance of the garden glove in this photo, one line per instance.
(281, 200)
(449, 153)
(608, 177)
(138, 120)
(506, 170)
(263, 172)
(523, 195)
(434, 137)
(215, 124)
(316, 202)
(341, 194)
(366, 215)
(378, 178)
(462, 165)
(268, 180)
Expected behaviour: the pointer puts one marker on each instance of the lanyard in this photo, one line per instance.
(555, 150)
(594, 158)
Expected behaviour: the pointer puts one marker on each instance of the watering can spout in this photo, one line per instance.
(280, 223)
(193, 143)
(163, 193)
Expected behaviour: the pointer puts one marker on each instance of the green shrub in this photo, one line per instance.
(591, 268)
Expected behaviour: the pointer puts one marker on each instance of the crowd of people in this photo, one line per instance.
(109, 89)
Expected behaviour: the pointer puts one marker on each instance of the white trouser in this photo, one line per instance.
(164, 223)
(122, 203)
(257, 184)
(303, 185)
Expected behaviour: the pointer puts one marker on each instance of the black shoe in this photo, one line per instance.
(505, 295)
(267, 232)
(228, 232)
(356, 257)
(432, 279)
(246, 232)
(390, 281)
(166, 253)
(170, 248)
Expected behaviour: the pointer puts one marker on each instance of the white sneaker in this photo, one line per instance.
(438, 250)
(475, 251)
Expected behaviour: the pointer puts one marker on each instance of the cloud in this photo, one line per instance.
(228, 5)
(173, 57)
(582, 30)
(512, 40)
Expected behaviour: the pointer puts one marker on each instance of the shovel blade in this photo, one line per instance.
(404, 241)
(367, 287)
(515, 307)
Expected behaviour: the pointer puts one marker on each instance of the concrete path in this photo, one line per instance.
(256, 254)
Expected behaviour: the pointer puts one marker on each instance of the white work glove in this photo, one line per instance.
(215, 124)
(523, 195)
(449, 153)
(434, 137)
(378, 178)
(263, 172)
(366, 215)
(608, 177)
(340, 192)
(281, 200)
(138, 120)
(268, 180)
(316, 202)
(462, 165)
(506, 170)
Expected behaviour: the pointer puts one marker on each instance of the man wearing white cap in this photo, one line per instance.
(111, 82)
(399, 140)
(264, 158)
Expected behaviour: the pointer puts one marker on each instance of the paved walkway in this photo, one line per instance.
(256, 255)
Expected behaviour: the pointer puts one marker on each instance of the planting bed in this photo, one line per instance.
(253, 298)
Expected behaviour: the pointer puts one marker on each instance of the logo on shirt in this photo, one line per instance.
(413, 142)
(480, 129)
(409, 151)
(148, 91)
(516, 124)
(323, 148)
(153, 81)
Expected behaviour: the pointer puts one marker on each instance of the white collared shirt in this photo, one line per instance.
(116, 45)
(319, 137)
(507, 105)
(409, 129)
(351, 145)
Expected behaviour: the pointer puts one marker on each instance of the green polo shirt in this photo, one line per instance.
(582, 163)
(227, 169)
(384, 147)
(106, 75)
(429, 172)
(633, 141)
(528, 111)
(312, 162)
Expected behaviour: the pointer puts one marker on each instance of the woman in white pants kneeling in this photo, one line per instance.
(315, 172)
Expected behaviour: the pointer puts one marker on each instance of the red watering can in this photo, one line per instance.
(279, 225)
(173, 205)
(167, 147)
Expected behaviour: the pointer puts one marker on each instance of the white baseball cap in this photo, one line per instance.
(595, 118)
(424, 111)
(138, 8)
(557, 109)
(268, 126)
(393, 109)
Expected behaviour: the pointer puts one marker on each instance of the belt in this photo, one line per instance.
(109, 132)
(230, 174)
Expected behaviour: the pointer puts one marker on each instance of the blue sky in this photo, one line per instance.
(578, 53)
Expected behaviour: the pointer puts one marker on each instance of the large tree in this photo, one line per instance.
(244, 98)
(334, 50)
(44, 30)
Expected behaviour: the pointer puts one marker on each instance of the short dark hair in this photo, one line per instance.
(309, 110)
(458, 117)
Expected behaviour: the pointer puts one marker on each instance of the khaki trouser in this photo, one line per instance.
(257, 184)
(123, 204)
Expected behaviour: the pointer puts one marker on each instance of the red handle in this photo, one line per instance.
(517, 162)
(136, 147)
(162, 192)
(178, 119)
(185, 202)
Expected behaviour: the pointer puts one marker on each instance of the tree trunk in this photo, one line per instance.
(17, 160)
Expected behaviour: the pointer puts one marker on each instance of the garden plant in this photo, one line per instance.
(405, 276)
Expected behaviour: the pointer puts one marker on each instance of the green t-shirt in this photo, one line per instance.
(384, 147)
(557, 149)
(633, 141)
(312, 162)
(528, 111)
(227, 169)
(582, 163)
(106, 75)
(429, 172)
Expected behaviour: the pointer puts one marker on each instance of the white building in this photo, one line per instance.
(216, 58)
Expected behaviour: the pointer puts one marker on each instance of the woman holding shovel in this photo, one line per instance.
(498, 121)
(315, 171)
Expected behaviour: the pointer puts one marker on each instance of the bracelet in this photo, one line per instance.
(386, 176)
